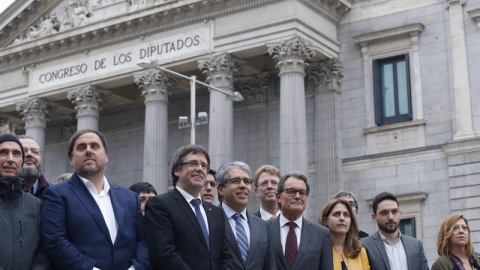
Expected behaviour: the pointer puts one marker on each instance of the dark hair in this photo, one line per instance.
(212, 172)
(143, 187)
(345, 194)
(352, 245)
(79, 133)
(298, 175)
(382, 197)
(268, 169)
(181, 153)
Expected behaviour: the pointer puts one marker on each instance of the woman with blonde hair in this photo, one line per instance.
(348, 253)
(454, 245)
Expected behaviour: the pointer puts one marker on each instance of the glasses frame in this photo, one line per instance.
(195, 164)
(299, 191)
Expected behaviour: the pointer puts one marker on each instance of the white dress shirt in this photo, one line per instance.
(229, 212)
(105, 204)
(189, 199)
(284, 228)
(397, 258)
(266, 215)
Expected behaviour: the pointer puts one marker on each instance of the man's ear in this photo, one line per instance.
(220, 190)
(374, 218)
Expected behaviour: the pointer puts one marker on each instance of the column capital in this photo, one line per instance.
(327, 75)
(221, 69)
(291, 55)
(3, 119)
(87, 99)
(154, 84)
(34, 111)
(448, 3)
(254, 88)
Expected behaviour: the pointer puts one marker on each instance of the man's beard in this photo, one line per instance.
(29, 173)
(88, 171)
(386, 229)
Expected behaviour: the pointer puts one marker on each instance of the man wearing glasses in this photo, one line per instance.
(246, 233)
(208, 190)
(266, 182)
(183, 231)
(348, 196)
(35, 182)
(296, 242)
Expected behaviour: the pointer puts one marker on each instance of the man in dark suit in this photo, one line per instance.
(182, 231)
(89, 222)
(296, 242)
(247, 234)
(266, 180)
(388, 249)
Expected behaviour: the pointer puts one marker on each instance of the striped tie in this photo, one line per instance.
(241, 237)
(291, 245)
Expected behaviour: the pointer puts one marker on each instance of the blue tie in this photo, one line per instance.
(241, 237)
(196, 204)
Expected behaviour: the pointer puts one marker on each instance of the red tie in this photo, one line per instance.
(291, 246)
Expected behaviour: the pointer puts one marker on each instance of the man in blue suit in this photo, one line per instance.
(89, 222)
(183, 231)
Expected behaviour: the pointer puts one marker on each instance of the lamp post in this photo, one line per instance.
(235, 96)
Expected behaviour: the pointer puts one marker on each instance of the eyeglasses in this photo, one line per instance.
(237, 180)
(271, 182)
(34, 151)
(353, 204)
(195, 163)
(211, 183)
(291, 192)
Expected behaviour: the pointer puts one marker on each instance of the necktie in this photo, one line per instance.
(291, 245)
(241, 237)
(196, 204)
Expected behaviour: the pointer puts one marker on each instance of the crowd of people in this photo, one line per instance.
(85, 221)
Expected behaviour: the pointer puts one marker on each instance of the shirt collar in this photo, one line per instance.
(384, 239)
(35, 187)
(267, 215)
(91, 187)
(284, 221)
(188, 197)
(230, 212)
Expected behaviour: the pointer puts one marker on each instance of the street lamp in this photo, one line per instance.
(235, 96)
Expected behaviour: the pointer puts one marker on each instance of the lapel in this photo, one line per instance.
(381, 249)
(277, 242)
(254, 234)
(305, 237)
(231, 236)
(407, 246)
(116, 196)
(187, 210)
(81, 192)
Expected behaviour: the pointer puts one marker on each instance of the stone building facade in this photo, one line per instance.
(362, 95)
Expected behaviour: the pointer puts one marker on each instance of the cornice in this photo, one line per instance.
(119, 29)
(389, 33)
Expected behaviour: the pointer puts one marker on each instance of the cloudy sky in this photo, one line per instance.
(4, 4)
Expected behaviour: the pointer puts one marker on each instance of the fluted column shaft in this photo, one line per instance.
(461, 85)
(220, 71)
(34, 111)
(290, 57)
(154, 86)
(87, 99)
(327, 78)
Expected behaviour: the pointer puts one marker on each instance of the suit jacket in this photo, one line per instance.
(175, 239)
(76, 236)
(257, 214)
(377, 255)
(259, 256)
(314, 252)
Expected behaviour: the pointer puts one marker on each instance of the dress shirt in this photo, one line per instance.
(188, 197)
(34, 188)
(230, 212)
(105, 204)
(397, 257)
(284, 228)
(266, 215)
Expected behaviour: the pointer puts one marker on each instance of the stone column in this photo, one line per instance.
(327, 77)
(154, 86)
(220, 71)
(87, 99)
(34, 111)
(463, 109)
(290, 57)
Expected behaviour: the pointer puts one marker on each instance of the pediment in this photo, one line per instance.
(30, 20)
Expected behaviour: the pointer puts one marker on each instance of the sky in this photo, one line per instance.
(4, 4)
